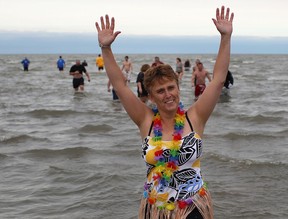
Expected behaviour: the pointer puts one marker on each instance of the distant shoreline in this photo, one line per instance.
(86, 43)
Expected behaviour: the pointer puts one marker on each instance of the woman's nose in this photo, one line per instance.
(167, 93)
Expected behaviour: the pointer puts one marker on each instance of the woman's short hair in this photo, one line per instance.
(159, 73)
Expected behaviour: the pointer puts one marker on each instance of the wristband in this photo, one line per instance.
(103, 46)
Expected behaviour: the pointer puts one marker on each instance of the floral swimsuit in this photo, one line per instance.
(185, 186)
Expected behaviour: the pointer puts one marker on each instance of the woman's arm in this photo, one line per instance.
(137, 110)
(204, 106)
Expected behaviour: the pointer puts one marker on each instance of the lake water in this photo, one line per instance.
(67, 155)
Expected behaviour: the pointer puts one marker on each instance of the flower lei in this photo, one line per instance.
(165, 167)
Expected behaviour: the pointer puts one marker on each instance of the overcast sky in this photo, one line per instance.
(144, 17)
(147, 26)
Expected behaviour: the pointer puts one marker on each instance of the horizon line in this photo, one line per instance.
(79, 43)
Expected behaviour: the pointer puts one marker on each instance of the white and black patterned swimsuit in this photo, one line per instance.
(186, 180)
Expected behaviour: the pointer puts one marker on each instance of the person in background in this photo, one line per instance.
(195, 65)
(114, 94)
(84, 63)
(25, 62)
(229, 80)
(198, 79)
(127, 68)
(187, 65)
(156, 62)
(61, 64)
(141, 91)
(100, 63)
(171, 136)
(179, 68)
(77, 72)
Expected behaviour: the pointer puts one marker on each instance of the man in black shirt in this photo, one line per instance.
(77, 72)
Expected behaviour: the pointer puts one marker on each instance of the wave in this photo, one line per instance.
(12, 69)
(3, 156)
(248, 62)
(44, 113)
(21, 139)
(96, 128)
(243, 162)
(255, 117)
(52, 154)
(262, 118)
(251, 135)
(40, 113)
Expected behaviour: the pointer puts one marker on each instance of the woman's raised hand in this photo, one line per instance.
(223, 22)
(106, 34)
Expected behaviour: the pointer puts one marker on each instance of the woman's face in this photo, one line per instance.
(165, 94)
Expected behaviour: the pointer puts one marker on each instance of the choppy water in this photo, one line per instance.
(66, 155)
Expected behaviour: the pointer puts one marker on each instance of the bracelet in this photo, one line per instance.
(103, 46)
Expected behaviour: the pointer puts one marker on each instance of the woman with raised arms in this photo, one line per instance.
(171, 136)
